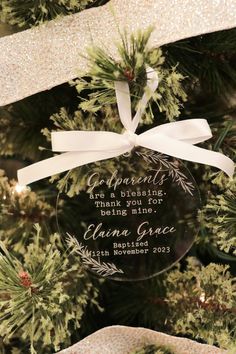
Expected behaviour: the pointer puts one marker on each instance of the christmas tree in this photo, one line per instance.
(48, 298)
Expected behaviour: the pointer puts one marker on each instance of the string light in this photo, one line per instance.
(202, 297)
(19, 189)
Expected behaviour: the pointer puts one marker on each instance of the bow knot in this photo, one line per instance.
(131, 137)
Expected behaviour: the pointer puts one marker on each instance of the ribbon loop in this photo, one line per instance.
(176, 139)
(192, 131)
(124, 104)
(152, 84)
(87, 141)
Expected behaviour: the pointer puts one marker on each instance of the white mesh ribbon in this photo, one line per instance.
(41, 58)
(82, 147)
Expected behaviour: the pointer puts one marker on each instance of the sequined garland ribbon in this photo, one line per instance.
(175, 139)
(49, 55)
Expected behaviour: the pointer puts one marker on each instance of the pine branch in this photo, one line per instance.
(19, 211)
(28, 13)
(202, 303)
(43, 295)
(135, 56)
(219, 219)
(208, 59)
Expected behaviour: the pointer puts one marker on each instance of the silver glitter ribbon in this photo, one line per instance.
(51, 54)
(122, 339)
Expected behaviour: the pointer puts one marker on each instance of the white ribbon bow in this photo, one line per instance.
(175, 139)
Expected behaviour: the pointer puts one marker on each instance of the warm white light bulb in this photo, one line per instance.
(202, 297)
(19, 189)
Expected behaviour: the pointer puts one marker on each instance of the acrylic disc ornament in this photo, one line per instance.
(135, 216)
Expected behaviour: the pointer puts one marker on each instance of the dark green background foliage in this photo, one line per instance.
(28, 13)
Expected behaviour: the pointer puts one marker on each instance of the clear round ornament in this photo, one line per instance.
(135, 216)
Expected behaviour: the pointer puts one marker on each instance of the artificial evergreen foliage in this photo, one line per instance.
(213, 67)
(45, 294)
(191, 300)
(24, 13)
(202, 301)
(18, 213)
(135, 56)
(224, 138)
(219, 219)
(152, 349)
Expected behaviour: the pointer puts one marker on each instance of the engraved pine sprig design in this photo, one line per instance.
(101, 268)
(173, 170)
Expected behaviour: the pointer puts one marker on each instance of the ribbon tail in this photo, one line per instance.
(62, 163)
(186, 151)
